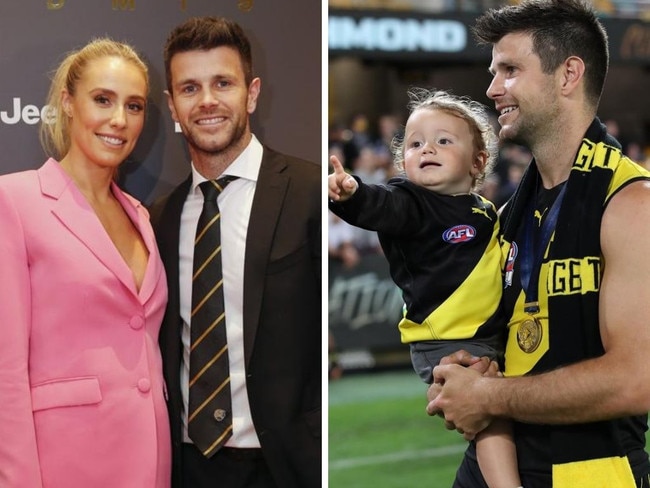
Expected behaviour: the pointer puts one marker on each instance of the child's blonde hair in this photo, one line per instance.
(474, 113)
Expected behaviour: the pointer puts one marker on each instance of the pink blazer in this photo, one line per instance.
(82, 398)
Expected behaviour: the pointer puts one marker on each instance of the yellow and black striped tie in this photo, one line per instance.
(210, 409)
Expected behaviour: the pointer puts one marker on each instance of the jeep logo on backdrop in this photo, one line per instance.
(28, 114)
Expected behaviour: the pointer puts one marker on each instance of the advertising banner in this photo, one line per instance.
(409, 36)
(365, 307)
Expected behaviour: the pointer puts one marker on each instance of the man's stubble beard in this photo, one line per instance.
(233, 143)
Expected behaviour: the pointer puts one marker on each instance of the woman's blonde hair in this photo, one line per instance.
(467, 109)
(55, 129)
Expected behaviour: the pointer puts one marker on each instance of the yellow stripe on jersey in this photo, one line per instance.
(469, 307)
(594, 473)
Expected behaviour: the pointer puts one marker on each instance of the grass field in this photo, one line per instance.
(381, 437)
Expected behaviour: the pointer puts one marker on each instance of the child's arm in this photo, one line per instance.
(341, 185)
(497, 456)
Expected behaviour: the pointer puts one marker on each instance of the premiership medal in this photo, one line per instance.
(529, 334)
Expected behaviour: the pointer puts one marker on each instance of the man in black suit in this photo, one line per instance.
(271, 255)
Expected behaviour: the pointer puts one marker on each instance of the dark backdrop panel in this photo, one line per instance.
(286, 40)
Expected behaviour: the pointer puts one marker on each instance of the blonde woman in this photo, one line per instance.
(82, 294)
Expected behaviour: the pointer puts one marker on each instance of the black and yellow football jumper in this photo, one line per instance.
(570, 456)
(443, 254)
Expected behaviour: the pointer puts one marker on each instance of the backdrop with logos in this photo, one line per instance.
(287, 55)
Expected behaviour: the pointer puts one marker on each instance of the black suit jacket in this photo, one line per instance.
(282, 316)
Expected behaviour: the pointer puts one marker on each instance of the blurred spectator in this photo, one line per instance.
(637, 154)
(335, 370)
(513, 160)
(605, 7)
(388, 126)
(369, 166)
(341, 245)
(490, 188)
(356, 138)
(336, 149)
(614, 130)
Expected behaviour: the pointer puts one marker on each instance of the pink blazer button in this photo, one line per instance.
(136, 322)
(144, 385)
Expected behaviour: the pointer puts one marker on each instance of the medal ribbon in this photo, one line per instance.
(532, 261)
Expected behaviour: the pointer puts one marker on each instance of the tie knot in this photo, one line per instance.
(212, 188)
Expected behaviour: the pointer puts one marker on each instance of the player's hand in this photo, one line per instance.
(481, 365)
(463, 358)
(462, 397)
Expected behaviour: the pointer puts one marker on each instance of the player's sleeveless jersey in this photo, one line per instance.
(568, 287)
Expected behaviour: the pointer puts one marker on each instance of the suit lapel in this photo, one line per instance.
(269, 196)
(76, 214)
(140, 219)
(166, 219)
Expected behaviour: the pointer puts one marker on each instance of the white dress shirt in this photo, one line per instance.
(235, 204)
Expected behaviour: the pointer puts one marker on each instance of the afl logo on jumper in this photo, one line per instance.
(459, 233)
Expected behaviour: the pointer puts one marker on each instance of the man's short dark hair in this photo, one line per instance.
(559, 29)
(205, 33)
